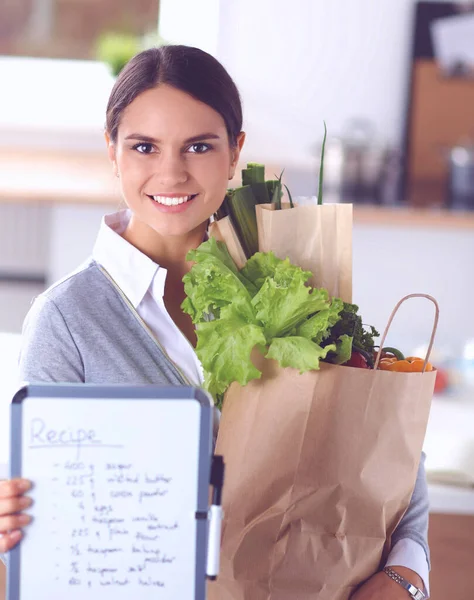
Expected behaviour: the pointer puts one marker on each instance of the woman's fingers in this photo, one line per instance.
(13, 502)
(8, 506)
(9, 540)
(12, 522)
(14, 487)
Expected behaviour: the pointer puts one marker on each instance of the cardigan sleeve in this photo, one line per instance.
(48, 352)
(414, 524)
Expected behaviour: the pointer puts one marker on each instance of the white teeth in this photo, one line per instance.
(171, 201)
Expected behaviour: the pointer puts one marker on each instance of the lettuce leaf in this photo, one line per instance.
(259, 267)
(284, 302)
(209, 287)
(298, 353)
(343, 350)
(267, 304)
(224, 348)
(213, 283)
(316, 328)
(211, 248)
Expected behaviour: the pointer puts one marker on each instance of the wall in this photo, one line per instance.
(201, 26)
(301, 62)
(318, 60)
(391, 262)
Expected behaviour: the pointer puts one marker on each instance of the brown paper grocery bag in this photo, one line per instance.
(318, 238)
(223, 230)
(320, 469)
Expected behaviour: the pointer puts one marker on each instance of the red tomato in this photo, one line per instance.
(357, 360)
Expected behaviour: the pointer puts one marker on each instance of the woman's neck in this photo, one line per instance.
(169, 252)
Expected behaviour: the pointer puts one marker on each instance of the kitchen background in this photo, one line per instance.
(394, 82)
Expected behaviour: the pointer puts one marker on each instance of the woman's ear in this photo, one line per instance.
(111, 153)
(236, 154)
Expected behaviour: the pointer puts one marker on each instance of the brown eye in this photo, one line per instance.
(143, 148)
(199, 148)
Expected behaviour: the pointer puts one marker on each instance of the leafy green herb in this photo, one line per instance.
(350, 324)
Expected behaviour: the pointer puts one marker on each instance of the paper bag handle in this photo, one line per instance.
(394, 312)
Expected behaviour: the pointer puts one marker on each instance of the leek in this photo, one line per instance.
(239, 204)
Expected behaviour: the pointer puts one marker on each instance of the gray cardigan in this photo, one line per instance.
(81, 330)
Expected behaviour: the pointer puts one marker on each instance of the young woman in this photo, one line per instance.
(174, 136)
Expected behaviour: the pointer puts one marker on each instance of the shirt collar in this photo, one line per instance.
(133, 271)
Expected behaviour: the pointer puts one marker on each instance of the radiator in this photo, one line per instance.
(24, 242)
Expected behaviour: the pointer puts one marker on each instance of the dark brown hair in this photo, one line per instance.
(185, 68)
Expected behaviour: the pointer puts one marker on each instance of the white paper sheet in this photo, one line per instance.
(115, 496)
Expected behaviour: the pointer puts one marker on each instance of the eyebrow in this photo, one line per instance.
(195, 138)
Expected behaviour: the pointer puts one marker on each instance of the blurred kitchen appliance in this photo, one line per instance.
(357, 167)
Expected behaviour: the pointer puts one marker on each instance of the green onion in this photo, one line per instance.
(277, 191)
(321, 169)
(289, 197)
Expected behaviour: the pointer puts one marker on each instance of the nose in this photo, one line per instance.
(171, 171)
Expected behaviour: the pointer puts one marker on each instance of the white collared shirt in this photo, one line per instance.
(143, 282)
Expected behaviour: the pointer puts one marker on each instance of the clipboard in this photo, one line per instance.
(120, 491)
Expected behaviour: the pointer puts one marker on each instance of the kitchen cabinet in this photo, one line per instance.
(451, 538)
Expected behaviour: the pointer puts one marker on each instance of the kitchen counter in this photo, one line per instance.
(447, 499)
(55, 177)
(449, 448)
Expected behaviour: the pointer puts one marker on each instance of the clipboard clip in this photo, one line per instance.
(215, 516)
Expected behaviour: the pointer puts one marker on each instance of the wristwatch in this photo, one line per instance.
(414, 592)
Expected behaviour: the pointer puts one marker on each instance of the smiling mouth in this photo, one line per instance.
(167, 201)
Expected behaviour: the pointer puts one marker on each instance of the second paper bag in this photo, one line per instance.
(318, 238)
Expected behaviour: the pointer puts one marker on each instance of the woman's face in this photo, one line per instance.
(174, 160)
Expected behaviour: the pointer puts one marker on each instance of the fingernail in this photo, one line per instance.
(25, 502)
(15, 536)
(24, 519)
(23, 485)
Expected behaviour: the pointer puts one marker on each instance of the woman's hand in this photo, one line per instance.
(12, 502)
(381, 586)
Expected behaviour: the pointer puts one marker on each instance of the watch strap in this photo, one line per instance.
(414, 592)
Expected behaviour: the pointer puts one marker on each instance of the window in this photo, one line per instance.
(70, 28)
